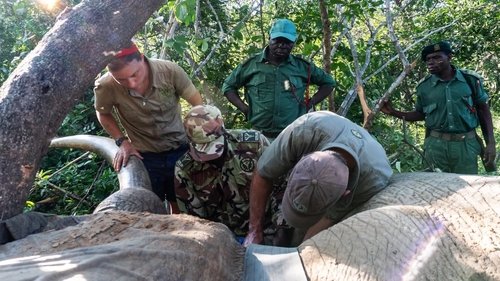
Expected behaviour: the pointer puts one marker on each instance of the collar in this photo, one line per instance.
(153, 69)
(458, 76)
(262, 57)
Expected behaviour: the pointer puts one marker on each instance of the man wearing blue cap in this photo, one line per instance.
(276, 83)
(453, 103)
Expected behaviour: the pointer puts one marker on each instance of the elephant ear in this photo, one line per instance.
(29, 223)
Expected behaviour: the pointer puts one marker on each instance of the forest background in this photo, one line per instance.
(371, 47)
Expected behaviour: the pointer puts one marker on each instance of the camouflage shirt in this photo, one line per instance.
(218, 190)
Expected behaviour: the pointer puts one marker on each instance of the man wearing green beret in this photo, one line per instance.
(276, 83)
(453, 102)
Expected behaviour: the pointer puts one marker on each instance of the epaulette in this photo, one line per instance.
(300, 57)
(249, 59)
(471, 73)
(423, 80)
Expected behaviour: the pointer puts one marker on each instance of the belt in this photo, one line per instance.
(453, 137)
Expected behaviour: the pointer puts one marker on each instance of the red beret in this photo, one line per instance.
(127, 51)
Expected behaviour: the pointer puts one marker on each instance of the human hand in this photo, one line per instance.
(253, 237)
(489, 158)
(123, 155)
(386, 107)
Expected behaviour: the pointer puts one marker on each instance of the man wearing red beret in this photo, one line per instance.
(145, 93)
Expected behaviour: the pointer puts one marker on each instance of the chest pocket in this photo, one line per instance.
(299, 88)
(168, 96)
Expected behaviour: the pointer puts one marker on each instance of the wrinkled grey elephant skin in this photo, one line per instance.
(126, 246)
(422, 227)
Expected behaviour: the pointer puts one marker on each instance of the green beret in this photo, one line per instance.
(437, 47)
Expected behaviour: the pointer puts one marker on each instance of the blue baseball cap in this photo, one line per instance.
(283, 28)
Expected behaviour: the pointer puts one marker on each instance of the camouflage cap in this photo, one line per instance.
(442, 46)
(316, 182)
(205, 129)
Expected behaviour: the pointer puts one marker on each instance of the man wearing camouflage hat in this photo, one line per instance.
(213, 178)
(336, 165)
(453, 103)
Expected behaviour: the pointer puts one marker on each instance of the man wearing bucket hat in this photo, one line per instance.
(335, 166)
(276, 83)
(213, 178)
(145, 94)
(453, 102)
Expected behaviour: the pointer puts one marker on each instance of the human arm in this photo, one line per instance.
(321, 94)
(260, 190)
(485, 121)
(126, 149)
(236, 100)
(322, 224)
(408, 116)
(195, 99)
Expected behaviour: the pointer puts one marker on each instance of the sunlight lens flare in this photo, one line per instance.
(48, 4)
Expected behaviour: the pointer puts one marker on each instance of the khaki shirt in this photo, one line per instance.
(152, 122)
(323, 130)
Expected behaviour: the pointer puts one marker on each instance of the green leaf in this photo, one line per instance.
(204, 45)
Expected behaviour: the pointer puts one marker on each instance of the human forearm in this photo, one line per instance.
(109, 124)
(260, 191)
(408, 116)
(321, 225)
(323, 92)
(486, 123)
(195, 99)
(236, 100)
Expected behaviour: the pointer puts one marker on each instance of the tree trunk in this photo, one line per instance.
(49, 81)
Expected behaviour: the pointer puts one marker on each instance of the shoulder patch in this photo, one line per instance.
(356, 133)
(184, 161)
(248, 136)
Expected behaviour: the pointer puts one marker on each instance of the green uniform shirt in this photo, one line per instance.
(448, 105)
(323, 130)
(152, 122)
(220, 191)
(273, 102)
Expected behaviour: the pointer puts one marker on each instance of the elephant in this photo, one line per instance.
(423, 226)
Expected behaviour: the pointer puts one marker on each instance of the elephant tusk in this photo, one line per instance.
(135, 192)
(134, 175)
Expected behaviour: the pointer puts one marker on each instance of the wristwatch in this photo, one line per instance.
(119, 141)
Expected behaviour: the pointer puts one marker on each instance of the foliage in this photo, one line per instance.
(209, 38)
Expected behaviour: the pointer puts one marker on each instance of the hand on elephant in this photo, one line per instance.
(122, 156)
(316, 228)
(253, 237)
